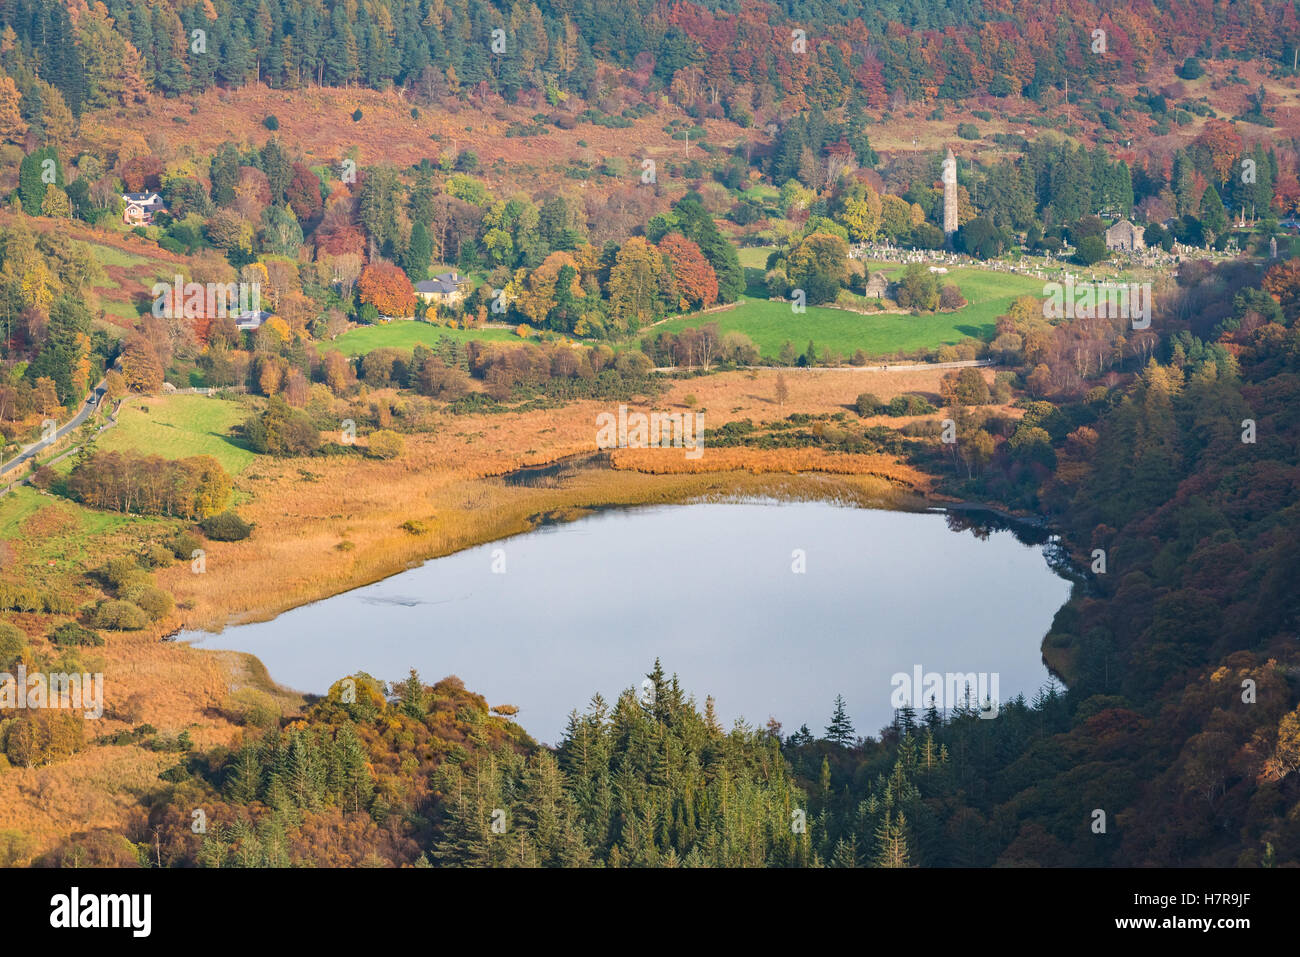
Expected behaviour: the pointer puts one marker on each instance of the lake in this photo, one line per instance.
(773, 608)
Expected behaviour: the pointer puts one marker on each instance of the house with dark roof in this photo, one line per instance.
(251, 320)
(141, 208)
(445, 289)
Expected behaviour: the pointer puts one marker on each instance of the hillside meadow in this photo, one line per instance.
(129, 267)
(771, 323)
(407, 334)
(178, 426)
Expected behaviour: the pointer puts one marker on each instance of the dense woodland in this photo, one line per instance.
(720, 56)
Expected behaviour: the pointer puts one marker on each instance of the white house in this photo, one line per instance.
(445, 289)
(141, 208)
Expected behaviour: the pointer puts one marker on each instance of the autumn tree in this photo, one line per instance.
(140, 366)
(387, 288)
(860, 211)
(1220, 144)
(964, 387)
(1282, 282)
(697, 283)
(339, 373)
(55, 203)
(12, 126)
(636, 283)
(536, 293)
(140, 173)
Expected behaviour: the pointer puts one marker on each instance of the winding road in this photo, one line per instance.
(87, 409)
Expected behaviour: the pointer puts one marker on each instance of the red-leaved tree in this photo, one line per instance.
(697, 284)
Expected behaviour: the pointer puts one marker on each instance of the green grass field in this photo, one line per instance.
(16, 508)
(754, 257)
(178, 426)
(112, 256)
(407, 335)
(56, 530)
(771, 324)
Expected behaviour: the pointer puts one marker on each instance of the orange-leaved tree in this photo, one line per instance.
(697, 283)
(387, 288)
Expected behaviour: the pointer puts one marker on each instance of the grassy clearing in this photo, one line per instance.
(111, 256)
(755, 257)
(16, 507)
(408, 335)
(179, 426)
(53, 532)
(771, 324)
(124, 311)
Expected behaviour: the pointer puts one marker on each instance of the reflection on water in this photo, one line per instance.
(771, 608)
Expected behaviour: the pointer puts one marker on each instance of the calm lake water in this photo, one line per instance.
(546, 619)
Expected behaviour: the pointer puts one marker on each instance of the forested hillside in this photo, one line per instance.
(96, 53)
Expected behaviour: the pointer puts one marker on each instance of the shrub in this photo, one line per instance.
(156, 556)
(281, 430)
(150, 599)
(965, 387)
(271, 122)
(918, 289)
(950, 297)
(119, 572)
(226, 527)
(118, 615)
(184, 545)
(16, 848)
(71, 634)
(57, 603)
(1091, 249)
(867, 404)
(21, 599)
(386, 444)
(254, 708)
(909, 404)
(633, 365)
(968, 131)
(356, 115)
